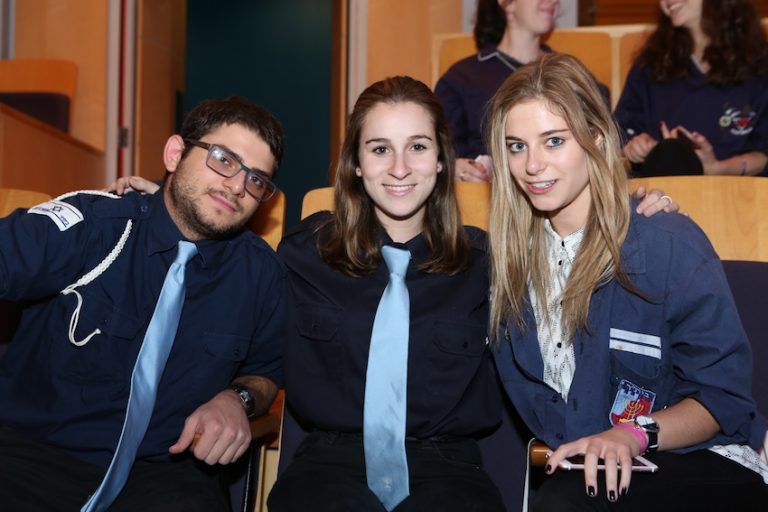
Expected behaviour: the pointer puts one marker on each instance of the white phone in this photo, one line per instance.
(639, 464)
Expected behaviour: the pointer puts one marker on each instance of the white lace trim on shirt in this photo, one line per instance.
(556, 352)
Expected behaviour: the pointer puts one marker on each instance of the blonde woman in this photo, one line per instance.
(616, 334)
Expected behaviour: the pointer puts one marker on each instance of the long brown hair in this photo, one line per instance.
(516, 235)
(737, 50)
(350, 240)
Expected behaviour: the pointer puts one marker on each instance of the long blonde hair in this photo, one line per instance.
(516, 236)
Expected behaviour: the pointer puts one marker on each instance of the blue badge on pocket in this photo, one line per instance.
(631, 400)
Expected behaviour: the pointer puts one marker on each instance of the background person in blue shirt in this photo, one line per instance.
(615, 334)
(62, 406)
(507, 35)
(696, 98)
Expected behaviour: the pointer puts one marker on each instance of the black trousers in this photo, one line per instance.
(697, 481)
(669, 157)
(328, 474)
(36, 477)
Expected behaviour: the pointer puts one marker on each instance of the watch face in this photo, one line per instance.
(647, 423)
(644, 420)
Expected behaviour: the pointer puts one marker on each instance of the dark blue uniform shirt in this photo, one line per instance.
(466, 89)
(75, 397)
(733, 118)
(685, 340)
(451, 389)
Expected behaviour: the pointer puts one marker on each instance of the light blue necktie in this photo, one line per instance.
(146, 374)
(385, 387)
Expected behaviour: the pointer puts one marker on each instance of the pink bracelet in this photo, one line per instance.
(638, 432)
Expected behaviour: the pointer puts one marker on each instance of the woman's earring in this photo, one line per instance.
(358, 172)
(439, 167)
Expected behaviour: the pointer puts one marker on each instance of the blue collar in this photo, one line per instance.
(491, 51)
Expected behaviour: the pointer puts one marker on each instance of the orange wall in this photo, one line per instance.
(400, 35)
(76, 31)
(160, 65)
(612, 12)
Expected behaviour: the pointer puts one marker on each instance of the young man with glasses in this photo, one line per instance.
(72, 375)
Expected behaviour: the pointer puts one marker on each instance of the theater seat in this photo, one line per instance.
(749, 285)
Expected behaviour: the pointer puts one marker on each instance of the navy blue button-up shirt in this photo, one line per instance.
(733, 118)
(466, 89)
(75, 397)
(684, 340)
(452, 389)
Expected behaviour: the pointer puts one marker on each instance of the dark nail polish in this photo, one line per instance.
(591, 491)
(612, 495)
(548, 468)
(624, 491)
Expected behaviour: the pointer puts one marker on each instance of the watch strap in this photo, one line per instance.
(651, 429)
(249, 403)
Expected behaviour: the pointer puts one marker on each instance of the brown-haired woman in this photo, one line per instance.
(696, 99)
(394, 189)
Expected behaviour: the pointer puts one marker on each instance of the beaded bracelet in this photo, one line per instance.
(638, 432)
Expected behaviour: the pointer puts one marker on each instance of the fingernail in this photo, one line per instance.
(548, 468)
(591, 490)
(612, 496)
(624, 491)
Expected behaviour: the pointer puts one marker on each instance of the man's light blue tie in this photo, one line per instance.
(146, 374)
(385, 387)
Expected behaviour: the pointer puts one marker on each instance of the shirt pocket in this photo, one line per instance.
(317, 322)
(221, 357)
(455, 356)
(102, 367)
(316, 349)
(635, 357)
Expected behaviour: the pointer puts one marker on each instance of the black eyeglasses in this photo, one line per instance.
(225, 163)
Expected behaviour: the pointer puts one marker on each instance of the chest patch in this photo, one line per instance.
(631, 400)
(63, 214)
(738, 121)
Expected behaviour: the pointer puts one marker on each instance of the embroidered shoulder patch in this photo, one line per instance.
(63, 214)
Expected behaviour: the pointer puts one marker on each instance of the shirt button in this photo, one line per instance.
(555, 399)
(559, 436)
(144, 208)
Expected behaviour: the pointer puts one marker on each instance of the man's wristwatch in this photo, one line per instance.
(249, 403)
(651, 429)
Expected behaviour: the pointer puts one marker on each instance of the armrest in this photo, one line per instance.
(267, 426)
(539, 453)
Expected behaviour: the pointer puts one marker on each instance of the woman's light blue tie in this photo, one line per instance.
(146, 374)
(385, 387)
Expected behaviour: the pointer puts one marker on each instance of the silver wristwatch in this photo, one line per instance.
(249, 403)
(651, 429)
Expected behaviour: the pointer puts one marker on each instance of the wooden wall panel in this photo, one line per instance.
(35, 156)
(160, 71)
(400, 35)
(612, 12)
(76, 31)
